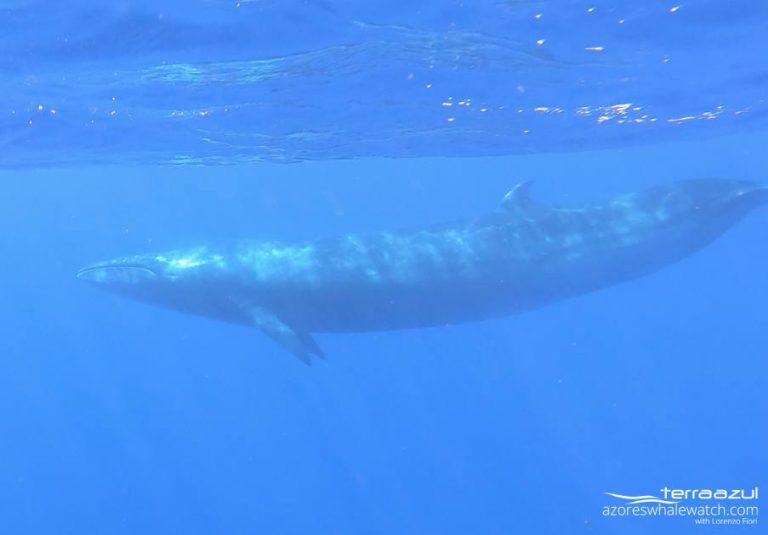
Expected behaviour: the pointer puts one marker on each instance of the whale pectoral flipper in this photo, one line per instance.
(301, 344)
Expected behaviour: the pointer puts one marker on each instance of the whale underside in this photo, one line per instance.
(523, 255)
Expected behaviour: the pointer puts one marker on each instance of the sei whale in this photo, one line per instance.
(523, 255)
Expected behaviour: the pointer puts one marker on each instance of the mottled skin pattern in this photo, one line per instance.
(521, 256)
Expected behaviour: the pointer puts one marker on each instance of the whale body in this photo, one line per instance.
(523, 255)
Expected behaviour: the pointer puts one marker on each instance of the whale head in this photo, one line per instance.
(170, 279)
(723, 195)
(709, 204)
(116, 272)
(713, 197)
(676, 219)
(122, 274)
(141, 278)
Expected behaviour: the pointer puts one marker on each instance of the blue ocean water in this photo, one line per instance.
(120, 418)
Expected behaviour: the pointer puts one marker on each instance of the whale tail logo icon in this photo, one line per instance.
(634, 500)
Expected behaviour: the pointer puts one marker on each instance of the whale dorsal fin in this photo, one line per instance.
(518, 201)
(518, 197)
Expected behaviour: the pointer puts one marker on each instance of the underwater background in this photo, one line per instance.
(132, 126)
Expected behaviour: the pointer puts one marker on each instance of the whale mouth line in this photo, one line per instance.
(92, 269)
(116, 273)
